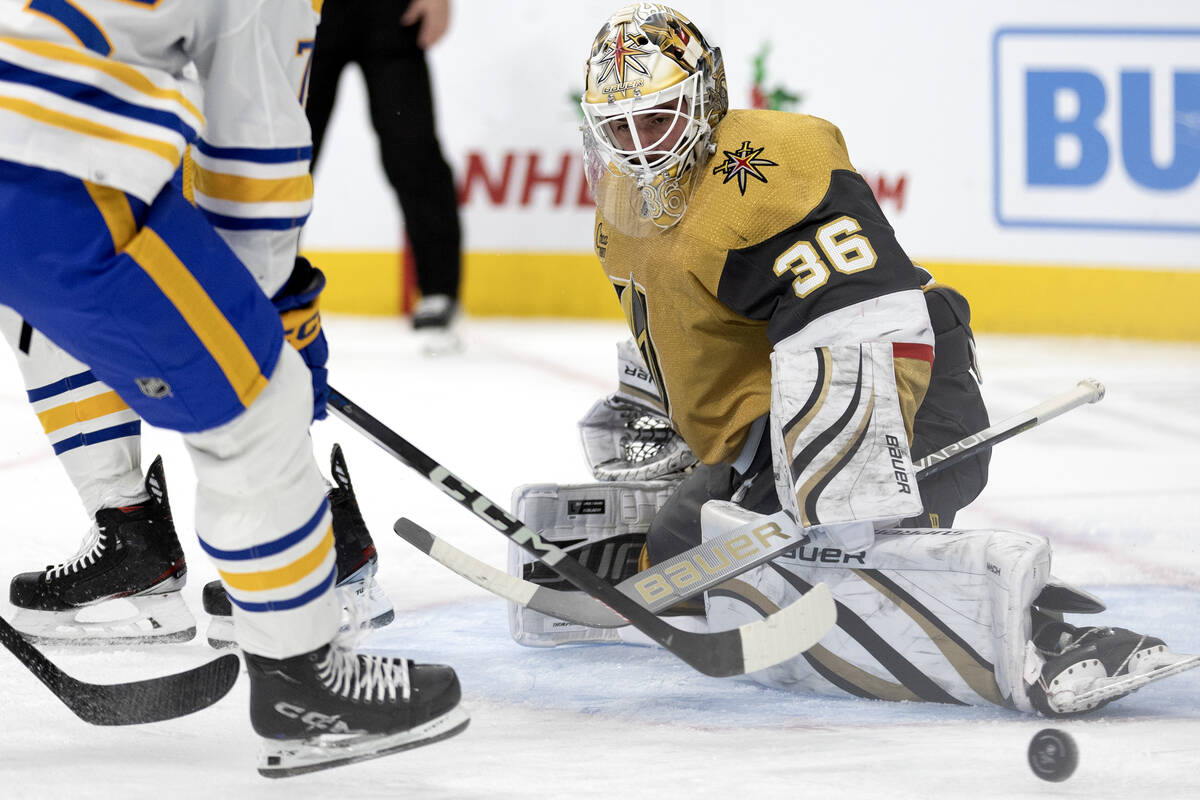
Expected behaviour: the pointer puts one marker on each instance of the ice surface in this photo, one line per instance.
(1116, 487)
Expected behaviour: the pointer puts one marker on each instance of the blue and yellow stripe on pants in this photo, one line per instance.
(72, 420)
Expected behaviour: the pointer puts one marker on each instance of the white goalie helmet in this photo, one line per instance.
(655, 92)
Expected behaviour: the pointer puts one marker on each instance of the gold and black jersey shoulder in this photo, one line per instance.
(769, 169)
(812, 239)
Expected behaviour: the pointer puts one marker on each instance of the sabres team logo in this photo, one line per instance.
(742, 163)
(621, 57)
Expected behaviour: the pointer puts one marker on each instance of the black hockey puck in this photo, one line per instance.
(1053, 755)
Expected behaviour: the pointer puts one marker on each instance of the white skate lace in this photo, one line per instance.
(359, 676)
(93, 545)
(355, 675)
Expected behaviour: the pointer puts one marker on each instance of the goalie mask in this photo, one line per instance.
(655, 92)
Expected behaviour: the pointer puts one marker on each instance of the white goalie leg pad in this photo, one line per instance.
(611, 517)
(924, 615)
(838, 437)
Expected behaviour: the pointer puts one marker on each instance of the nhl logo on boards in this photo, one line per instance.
(154, 388)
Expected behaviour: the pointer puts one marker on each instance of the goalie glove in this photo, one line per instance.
(628, 436)
(624, 440)
(296, 303)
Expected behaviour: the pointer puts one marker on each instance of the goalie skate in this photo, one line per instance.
(121, 588)
(1088, 668)
(357, 561)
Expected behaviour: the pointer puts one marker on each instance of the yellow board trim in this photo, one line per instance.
(101, 405)
(25, 108)
(240, 189)
(1005, 297)
(283, 576)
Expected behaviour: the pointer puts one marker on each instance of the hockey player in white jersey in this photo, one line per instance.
(103, 255)
(783, 337)
(123, 585)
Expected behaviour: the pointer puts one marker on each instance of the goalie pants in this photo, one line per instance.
(952, 409)
(163, 312)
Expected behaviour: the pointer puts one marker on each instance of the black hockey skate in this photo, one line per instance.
(1087, 668)
(123, 587)
(356, 563)
(334, 706)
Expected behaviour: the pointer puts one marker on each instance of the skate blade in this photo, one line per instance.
(379, 607)
(220, 633)
(1164, 665)
(146, 619)
(283, 759)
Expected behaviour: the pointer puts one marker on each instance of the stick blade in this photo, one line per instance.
(153, 699)
(790, 631)
(763, 643)
(575, 607)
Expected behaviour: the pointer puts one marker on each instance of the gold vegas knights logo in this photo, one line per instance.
(742, 163)
(622, 60)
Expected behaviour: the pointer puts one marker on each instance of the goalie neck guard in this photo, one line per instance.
(655, 92)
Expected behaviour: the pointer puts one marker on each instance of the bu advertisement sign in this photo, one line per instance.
(1097, 128)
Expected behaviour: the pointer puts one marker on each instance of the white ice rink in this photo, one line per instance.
(1115, 486)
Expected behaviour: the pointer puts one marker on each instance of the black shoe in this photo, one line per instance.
(357, 561)
(434, 311)
(335, 706)
(432, 323)
(131, 554)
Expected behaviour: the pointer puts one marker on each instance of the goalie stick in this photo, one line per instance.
(1086, 391)
(134, 703)
(663, 585)
(754, 646)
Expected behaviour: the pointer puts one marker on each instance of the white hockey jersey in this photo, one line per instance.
(113, 91)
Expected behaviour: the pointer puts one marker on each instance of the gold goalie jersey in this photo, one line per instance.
(779, 232)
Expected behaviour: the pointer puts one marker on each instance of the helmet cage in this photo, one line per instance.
(650, 161)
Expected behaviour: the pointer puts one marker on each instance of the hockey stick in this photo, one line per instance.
(688, 574)
(752, 647)
(134, 703)
(1086, 391)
